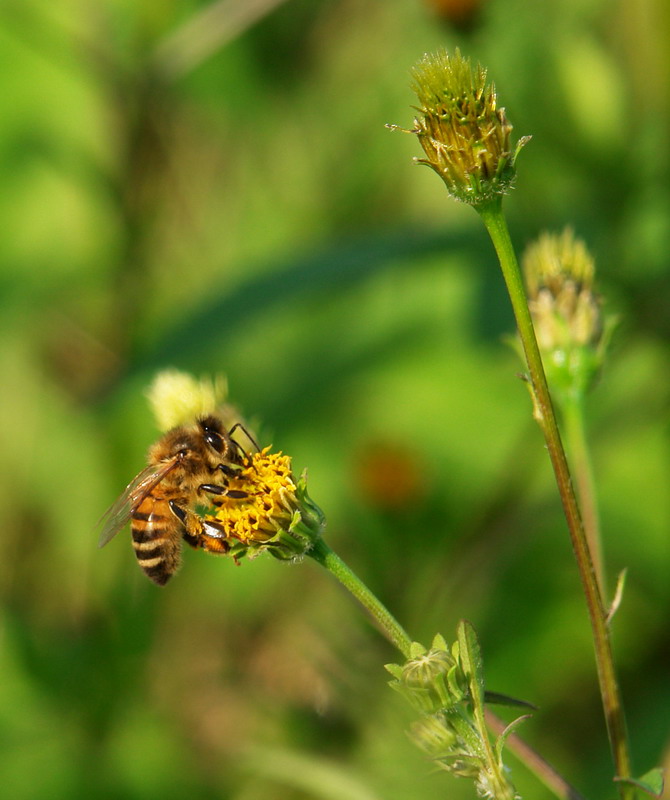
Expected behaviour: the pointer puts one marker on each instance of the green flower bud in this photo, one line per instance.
(434, 735)
(465, 136)
(430, 680)
(421, 672)
(571, 331)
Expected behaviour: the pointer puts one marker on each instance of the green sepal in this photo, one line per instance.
(416, 650)
(293, 543)
(571, 370)
(311, 515)
(306, 525)
(238, 550)
(431, 680)
(651, 783)
(394, 669)
(466, 731)
(456, 683)
(434, 735)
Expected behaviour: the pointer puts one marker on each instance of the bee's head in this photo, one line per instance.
(205, 444)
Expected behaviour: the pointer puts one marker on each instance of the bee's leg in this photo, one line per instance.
(192, 525)
(214, 538)
(228, 470)
(212, 488)
(199, 533)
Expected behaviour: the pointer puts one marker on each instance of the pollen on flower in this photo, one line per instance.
(270, 502)
(265, 509)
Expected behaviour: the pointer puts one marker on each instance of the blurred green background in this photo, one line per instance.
(211, 187)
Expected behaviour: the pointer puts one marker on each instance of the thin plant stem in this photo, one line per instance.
(572, 412)
(391, 628)
(496, 225)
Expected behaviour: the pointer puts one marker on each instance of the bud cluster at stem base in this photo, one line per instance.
(445, 684)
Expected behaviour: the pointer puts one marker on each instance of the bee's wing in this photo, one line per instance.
(118, 514)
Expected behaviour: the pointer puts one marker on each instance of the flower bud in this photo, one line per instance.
(434, 735)
(465, 136)
(421, 672)
(430, 680)
(571, 331)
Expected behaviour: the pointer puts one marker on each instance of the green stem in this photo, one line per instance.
(396, 634)
(494, 220)
(572, 409)
(391, 628)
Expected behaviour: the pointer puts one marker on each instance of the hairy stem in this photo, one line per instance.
(495, 223)
(391, 628)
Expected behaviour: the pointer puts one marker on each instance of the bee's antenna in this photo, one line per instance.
(246, 433)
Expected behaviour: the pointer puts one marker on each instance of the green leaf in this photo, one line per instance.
(500, 741)
(506, 700)
(651, 783)
(471, 661)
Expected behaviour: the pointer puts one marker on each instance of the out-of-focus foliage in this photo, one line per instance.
(190, 185)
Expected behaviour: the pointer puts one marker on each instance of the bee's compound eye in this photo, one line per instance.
(215, 441)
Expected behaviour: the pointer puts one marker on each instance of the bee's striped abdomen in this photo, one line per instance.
(156, 534)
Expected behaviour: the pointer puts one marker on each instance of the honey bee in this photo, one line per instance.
(160, 502)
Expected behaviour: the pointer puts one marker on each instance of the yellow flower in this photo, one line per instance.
(267, 509)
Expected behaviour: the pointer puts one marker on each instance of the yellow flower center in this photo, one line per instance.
(268, 507)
